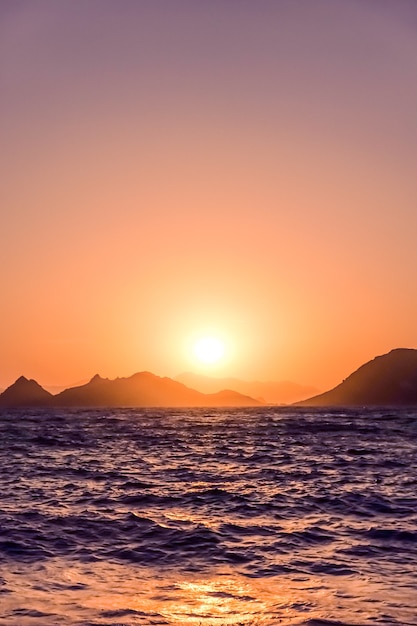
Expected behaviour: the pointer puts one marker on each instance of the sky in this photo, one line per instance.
(173, 169)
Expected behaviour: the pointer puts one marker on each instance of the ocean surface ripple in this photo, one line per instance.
(259, 516)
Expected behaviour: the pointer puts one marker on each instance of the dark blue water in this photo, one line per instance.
(260, 516)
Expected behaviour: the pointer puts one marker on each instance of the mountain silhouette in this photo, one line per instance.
(140, 390)
(25, 393)
(387, 380)
(145, 389)
(268, 392)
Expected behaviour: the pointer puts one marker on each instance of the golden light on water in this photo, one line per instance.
(216, 601)
(218, 598)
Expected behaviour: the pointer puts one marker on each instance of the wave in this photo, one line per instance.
(322, 503)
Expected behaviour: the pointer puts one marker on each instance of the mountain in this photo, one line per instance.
(144, 390)
(140, 390)
(283, 392)
(387, 380)
(55, 389)
(25, 393)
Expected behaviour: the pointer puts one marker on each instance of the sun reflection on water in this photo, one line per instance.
(120, 594)
(215, 601)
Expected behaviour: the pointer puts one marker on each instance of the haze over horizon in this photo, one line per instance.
(180, 169)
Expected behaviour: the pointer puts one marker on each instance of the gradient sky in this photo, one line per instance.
(177, 167)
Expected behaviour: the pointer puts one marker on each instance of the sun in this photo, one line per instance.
(209, 349)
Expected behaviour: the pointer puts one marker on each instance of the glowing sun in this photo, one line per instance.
(209, 349)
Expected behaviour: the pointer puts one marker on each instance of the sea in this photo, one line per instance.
(210, 517)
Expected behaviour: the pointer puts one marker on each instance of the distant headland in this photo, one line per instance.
(387, 380)
(267, 392)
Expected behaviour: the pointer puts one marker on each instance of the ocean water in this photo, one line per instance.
(271, 516)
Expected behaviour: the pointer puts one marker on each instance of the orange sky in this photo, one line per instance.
(175, 168)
